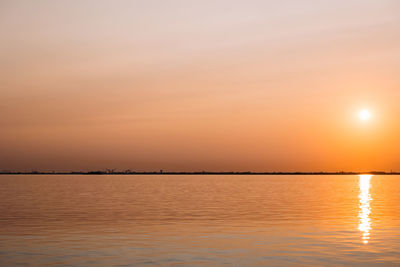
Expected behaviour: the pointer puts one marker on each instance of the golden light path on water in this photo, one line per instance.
(365, 197)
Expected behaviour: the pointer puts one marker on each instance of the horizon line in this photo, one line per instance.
(161, 172)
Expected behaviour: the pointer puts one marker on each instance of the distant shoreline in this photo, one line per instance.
(195, 173)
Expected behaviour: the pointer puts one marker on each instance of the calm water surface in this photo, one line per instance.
(199, 220)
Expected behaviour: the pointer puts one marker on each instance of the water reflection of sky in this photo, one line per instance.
(365, 197)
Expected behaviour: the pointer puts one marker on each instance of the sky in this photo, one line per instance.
(199, 85)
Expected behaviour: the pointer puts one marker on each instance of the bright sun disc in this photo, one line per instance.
(364, 115)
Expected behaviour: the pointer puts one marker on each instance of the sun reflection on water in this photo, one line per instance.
(365, 222)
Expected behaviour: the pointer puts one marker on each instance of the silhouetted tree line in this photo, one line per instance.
(161, 172)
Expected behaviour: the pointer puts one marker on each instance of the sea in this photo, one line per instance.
(199, 220)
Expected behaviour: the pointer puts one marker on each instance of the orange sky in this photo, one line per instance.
(199, 85)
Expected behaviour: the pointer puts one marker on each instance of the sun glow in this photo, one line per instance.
(365, 210)
(364, 115)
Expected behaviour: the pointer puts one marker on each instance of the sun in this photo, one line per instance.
(364, 115)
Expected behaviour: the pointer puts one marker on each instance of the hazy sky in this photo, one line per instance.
(193, 85)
